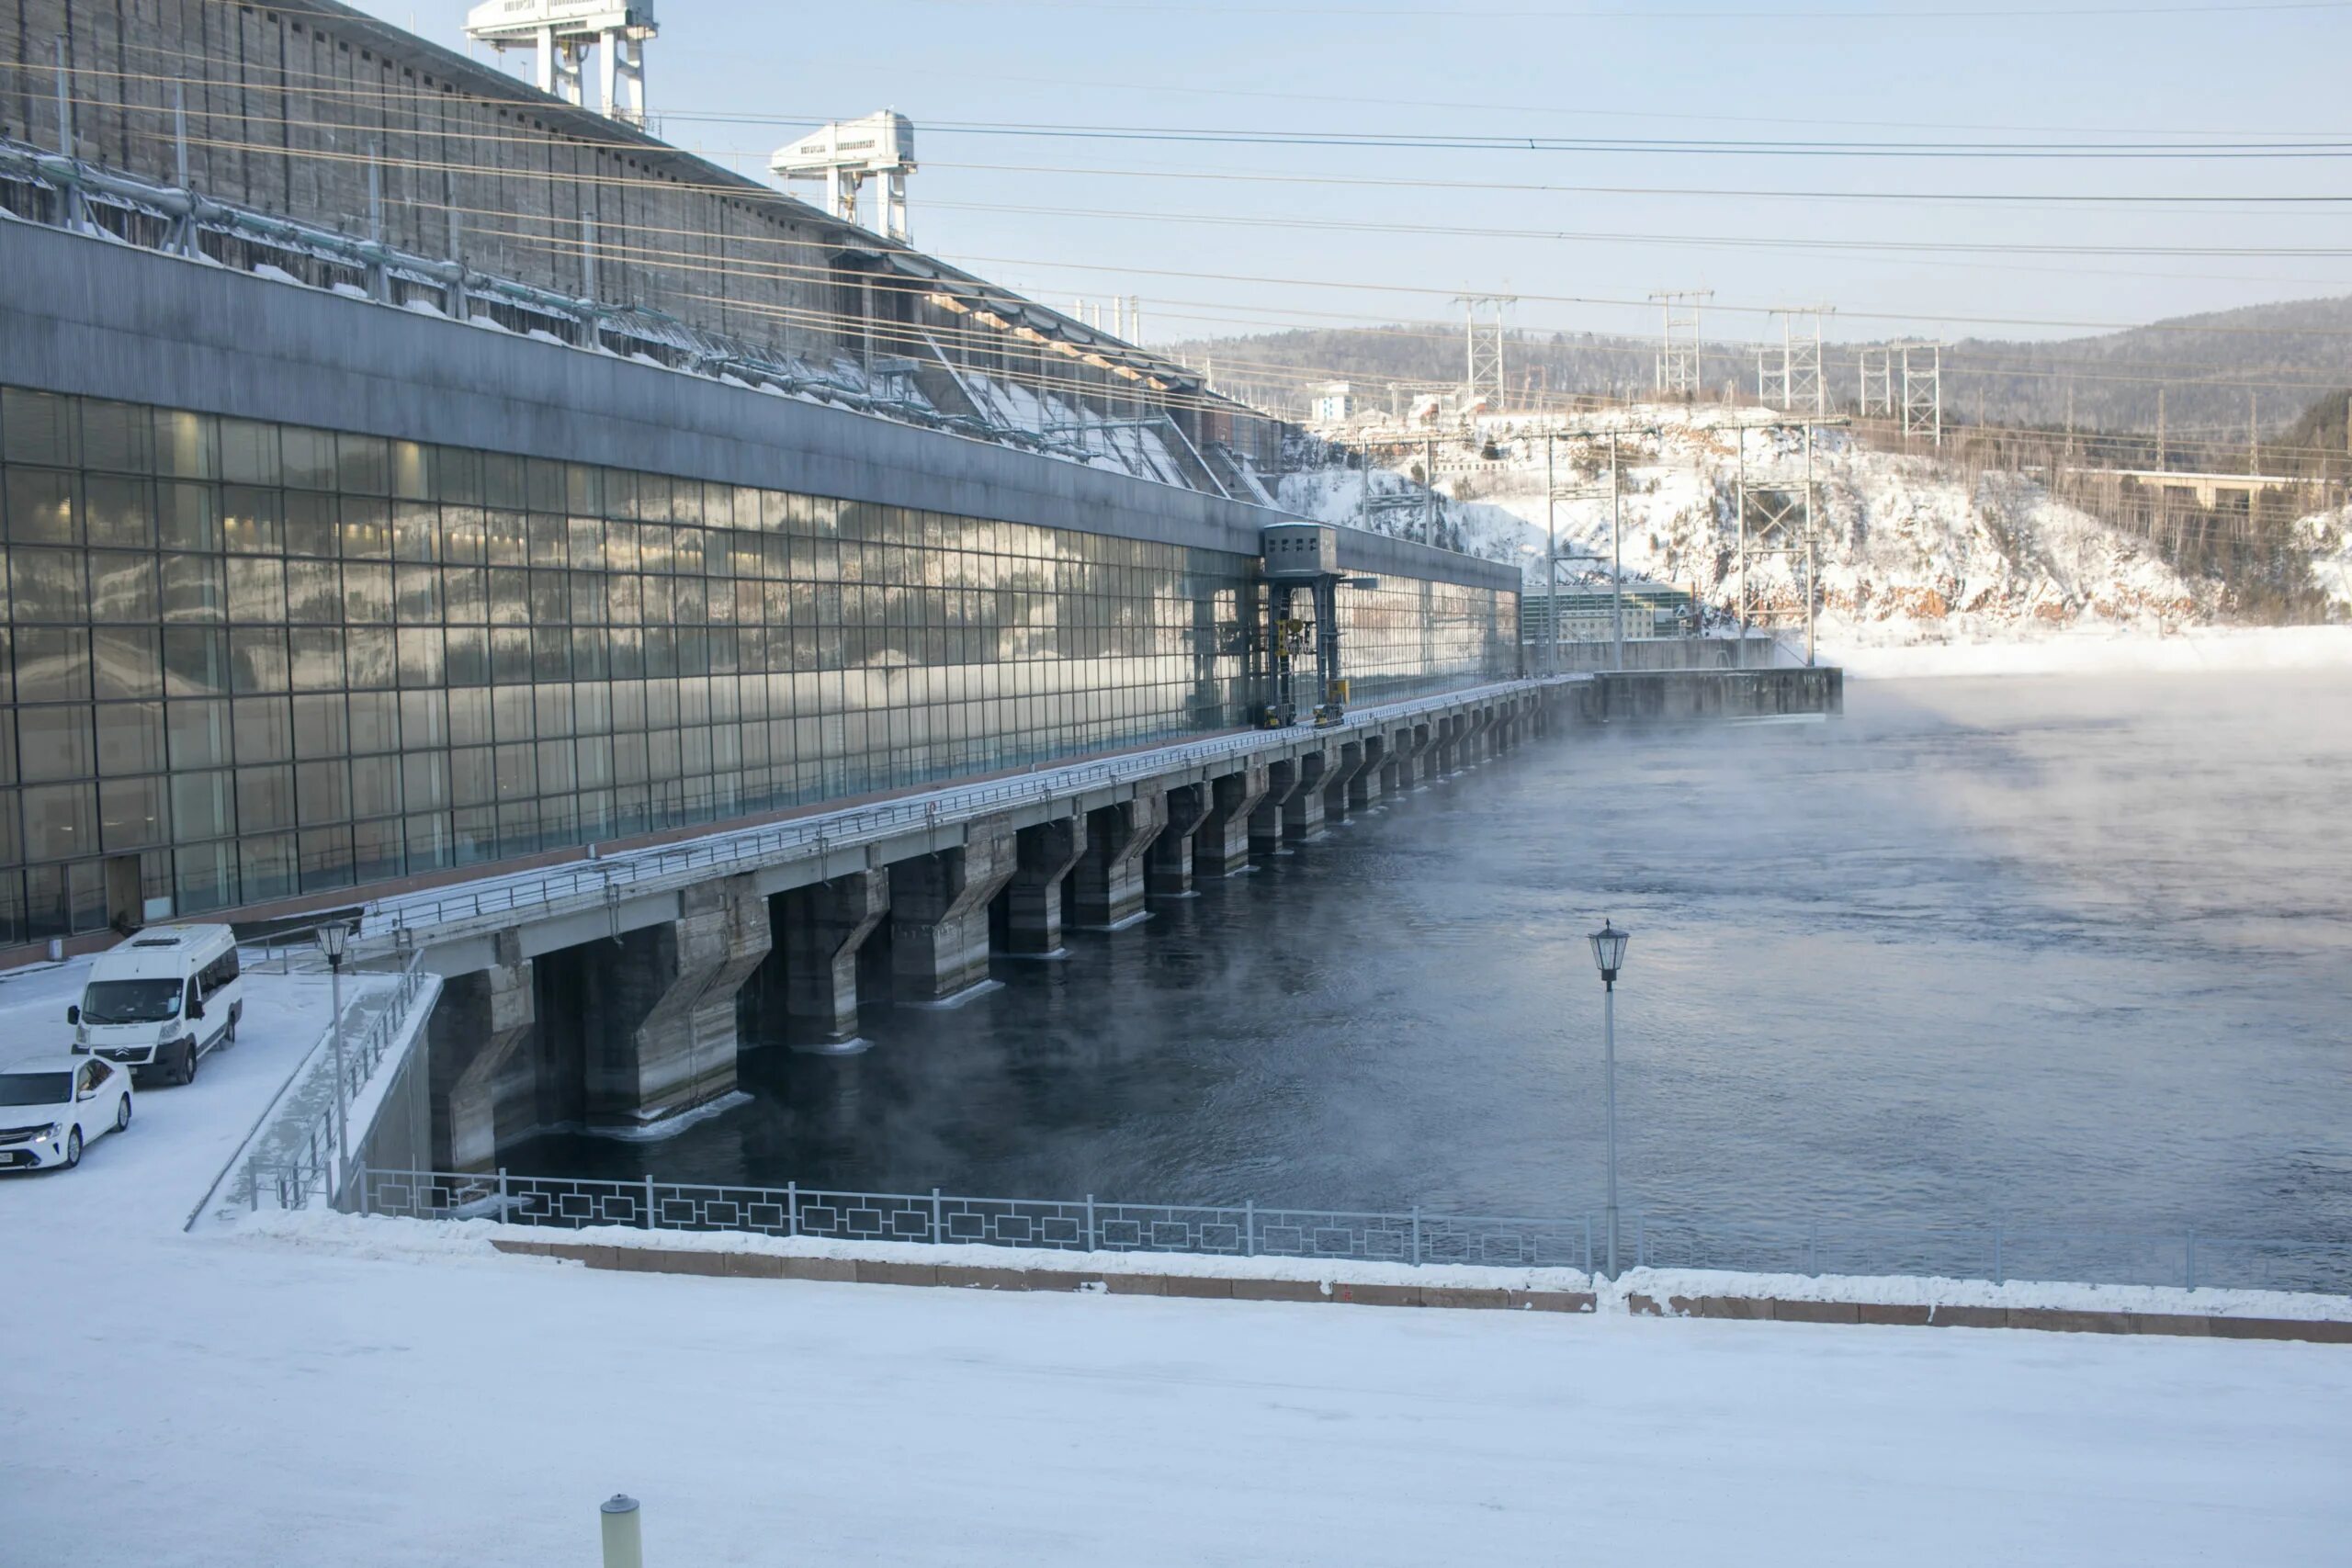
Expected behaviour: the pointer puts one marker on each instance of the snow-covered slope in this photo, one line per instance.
(1909, 549)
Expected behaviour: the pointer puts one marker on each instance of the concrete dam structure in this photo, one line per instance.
(659, 641)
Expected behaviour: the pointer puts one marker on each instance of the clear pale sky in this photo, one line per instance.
(734, 79)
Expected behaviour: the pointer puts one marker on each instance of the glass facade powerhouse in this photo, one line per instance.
(250, 661)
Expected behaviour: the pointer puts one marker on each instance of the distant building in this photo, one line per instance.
(1334, 403)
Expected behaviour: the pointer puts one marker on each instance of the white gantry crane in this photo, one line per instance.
(563, 31)
(846, 154)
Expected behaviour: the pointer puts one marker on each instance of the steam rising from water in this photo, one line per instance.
(2071, 949)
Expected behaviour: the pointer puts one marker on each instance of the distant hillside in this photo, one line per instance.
(2303, 347)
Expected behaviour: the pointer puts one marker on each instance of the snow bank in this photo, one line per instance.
(377, 1236)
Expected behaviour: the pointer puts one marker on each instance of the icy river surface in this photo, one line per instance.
(2071, 950)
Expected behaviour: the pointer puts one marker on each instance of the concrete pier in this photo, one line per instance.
(1046, 853)
(824, 926)
(1671, 695)
(1221, 844)
(1168, 864)
(939, 912)
(1338, 779)
(1370, 781)
(1266, 820)
(661, 1012)
(1107, 885)
(1303, 812)
(476, 1031)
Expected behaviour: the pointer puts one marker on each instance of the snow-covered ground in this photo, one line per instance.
(375, 1392)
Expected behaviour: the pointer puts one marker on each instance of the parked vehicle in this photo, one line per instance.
(158, 1002)
(51, 1111)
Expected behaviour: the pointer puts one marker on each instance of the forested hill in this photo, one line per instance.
(2216, 372)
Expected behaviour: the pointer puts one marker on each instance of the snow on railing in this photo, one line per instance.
(1996, 1250)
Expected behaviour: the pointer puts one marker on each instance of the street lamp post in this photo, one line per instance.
(1609, 955)
(335, 938)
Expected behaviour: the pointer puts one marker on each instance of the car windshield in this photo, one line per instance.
(36, 1089)
(131, 1001)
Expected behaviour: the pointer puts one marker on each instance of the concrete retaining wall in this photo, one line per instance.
(1764, 1309)
(1683, 695)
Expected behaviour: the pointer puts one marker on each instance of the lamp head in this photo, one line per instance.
(1608, 951)
(334, 939)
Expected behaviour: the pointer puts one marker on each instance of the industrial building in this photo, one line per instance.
(409, 473)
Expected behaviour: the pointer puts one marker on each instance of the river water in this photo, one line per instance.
(2076, 950)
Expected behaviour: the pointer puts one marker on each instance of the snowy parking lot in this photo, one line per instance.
(386, 1393)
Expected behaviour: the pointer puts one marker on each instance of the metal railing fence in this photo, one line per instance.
(1993, 1250)
(600, 880)
(306, 1157)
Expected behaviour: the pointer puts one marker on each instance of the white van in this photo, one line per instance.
(161, 1000)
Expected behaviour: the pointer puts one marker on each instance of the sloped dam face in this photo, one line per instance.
(2069, 948)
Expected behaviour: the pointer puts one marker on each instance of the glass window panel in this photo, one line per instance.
(363, 465)
(425, 779)
(429, 842)
(257, 660)
(118, 436)
(368, 659)
(306, 457)
(310, 527)
(322, 793)
(546, 540)
(118, 512)
(196, 663)
(510, 655)
(60, 821)
(197, 734)
(417, 531)
(375, 786)
(468, 656)
(422, 661)
(257, 589)
(413, 470)
(123, 587)
(317, 657)
(48, 584)
(366, 528)
(264, 798)
(203, 805)
(473, 776)
(374, 719)
(188, 517)
(42, 508)
(184, 444)
(252, 520)
(458, 474)
(325, 858)
(376, 849)
(57, 742)
(424, 719)
(53, 664)
(367, 595)
(133, 815)
(193, 589)
(265, 867)
(319, 728)
(263, 730)
(131, 739)
(249, 452)
(38, 427)
(314, 592)
(204, 877)
(464, 536)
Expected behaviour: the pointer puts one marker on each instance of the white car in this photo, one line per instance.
(49, 1112)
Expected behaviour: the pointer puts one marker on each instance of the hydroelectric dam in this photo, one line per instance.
(644, 600)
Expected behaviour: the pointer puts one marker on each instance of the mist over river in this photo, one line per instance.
(2077, 949)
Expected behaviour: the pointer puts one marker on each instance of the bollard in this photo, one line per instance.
(624, 1540)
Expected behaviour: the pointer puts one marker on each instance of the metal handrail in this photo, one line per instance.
(1996, 1250)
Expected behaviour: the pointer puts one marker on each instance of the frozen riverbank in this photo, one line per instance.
(2194, 651)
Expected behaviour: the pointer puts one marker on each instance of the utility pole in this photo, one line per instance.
(2164, 456)
(1678, 358)
(1617, 548)
(1551, 562)
(1429, 488)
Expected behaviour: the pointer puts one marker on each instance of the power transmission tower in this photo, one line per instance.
(1800, 388)
(1484, 364)
(1923, 389)
(1774, 521)
(1677, 355)
(1875, 369)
